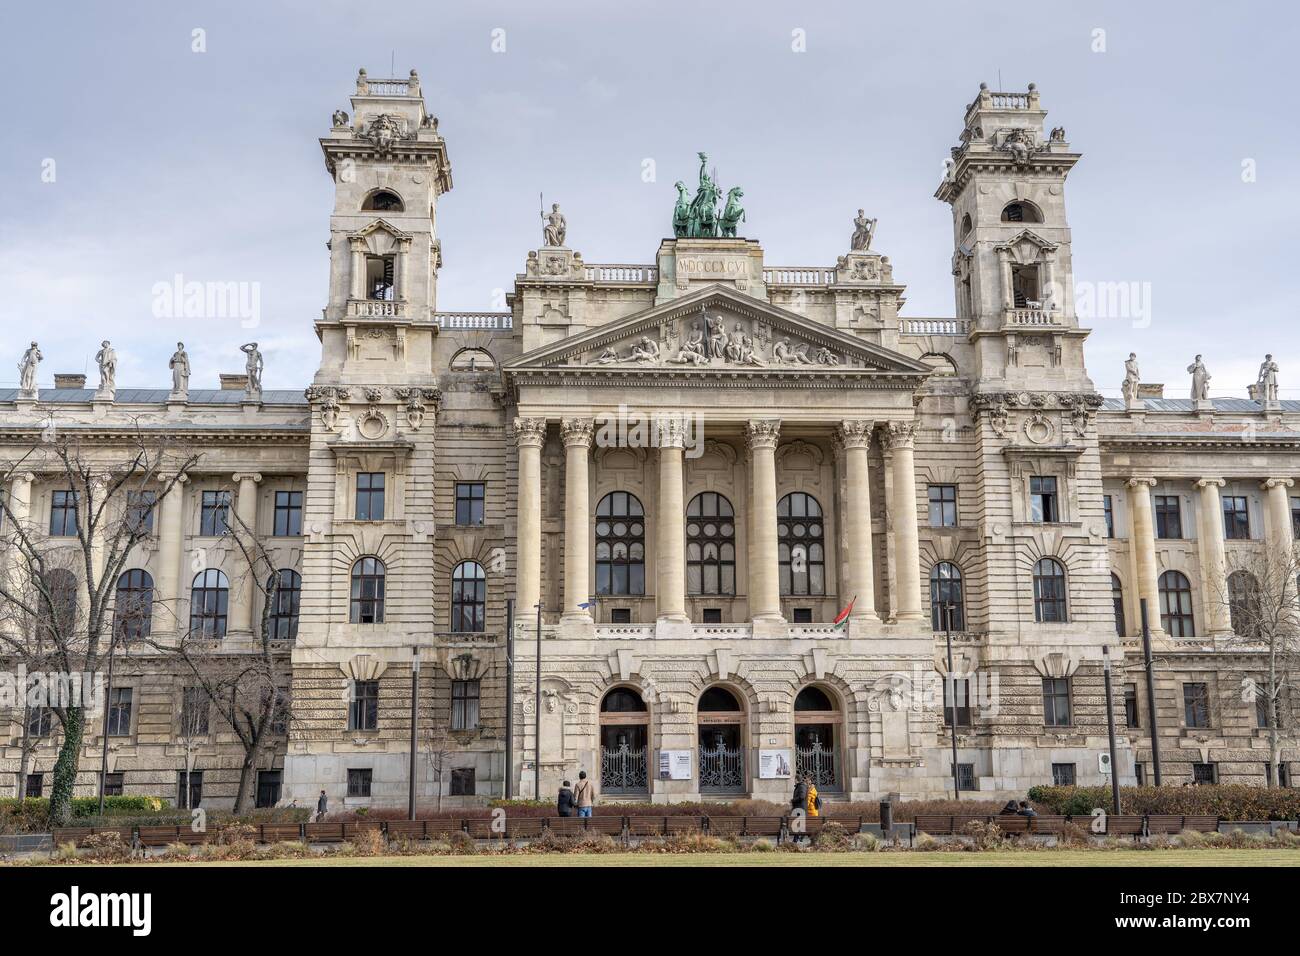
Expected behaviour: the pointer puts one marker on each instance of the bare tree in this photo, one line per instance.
(1262, 602)
(56, 592)
(244, 684)
(437, 747)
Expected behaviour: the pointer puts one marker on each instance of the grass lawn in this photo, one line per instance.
(1054, 858)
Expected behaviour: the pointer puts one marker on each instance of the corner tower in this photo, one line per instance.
(1012, 268)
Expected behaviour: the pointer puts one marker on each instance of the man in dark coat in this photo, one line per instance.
(322, 806)
(564, 803)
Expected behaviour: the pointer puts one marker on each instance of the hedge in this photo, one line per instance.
(1227, 801)
(32, 814)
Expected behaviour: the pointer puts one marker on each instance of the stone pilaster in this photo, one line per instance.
(530, 435)
(670, 543)
(577, 433)
(855, 436)
(20, 508)
(1277, 515)
(1214, 581)
(1143, 539)
(900, 436)
(171, 537)
(764, 569)
(242, 584)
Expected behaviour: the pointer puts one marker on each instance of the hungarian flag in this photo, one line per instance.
(842, 618)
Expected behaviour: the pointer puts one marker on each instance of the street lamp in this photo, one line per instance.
(951, 682)
(537, 713)
(1110, 730)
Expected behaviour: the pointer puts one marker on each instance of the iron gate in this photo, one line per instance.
(623, 770)
(722, 768)
(818, 764)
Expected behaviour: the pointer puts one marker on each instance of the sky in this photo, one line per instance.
(136, 150)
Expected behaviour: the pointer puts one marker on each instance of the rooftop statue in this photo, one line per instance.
(180, 366)
(556, 227)
(1268, 380)
(1131, 379)
(863, 231)
(106, 358)
(1200, 381)
(253, 366)
(698, 217)
(27, 371)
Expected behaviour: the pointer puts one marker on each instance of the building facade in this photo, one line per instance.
(748, 503)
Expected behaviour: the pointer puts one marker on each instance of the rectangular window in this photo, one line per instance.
(214, 509)
(1205, 773)
(40, 722)
(63, 514)
(711, 615)
(1056, 701)
(363, 714)
(469, 503)
(189, 789)
(1140, 774)
(280, 717)
(288, 514)
(1108, 508)
(1169, 519)
(35, 785)
(1196, 705)
(359, 782)
(943, 506)
(965, 776)
(1131, 706)
(963, 702)
(114, 784)
(370, 496)
(194, 712)
(464, 704)
(1042, 500)
(268, 787)
(1026, 291)
(119, 711)
(620, 615)
(1062, 775)
(802, 615)
(1295, 518)
(1236, 518)
(139, 510)
(1261, 709)
(462, 782)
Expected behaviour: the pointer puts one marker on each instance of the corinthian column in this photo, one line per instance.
(576, 433)
(171, 534)
(670, 523)
(20, 508)
(530, 435)
(855, 436)
(242, 605)
(1144, 548)
(1214, 580)
(764, 565)
(1277, 516)
(907, 549)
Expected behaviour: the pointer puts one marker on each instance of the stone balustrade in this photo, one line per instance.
(934, 327)
(487, 321)
(623, 274)
(799, 275)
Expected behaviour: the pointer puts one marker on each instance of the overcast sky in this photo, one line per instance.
(168, 161)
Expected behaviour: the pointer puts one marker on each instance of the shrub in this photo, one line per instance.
(925, 842)
(864, 842)
(761, 845)
(371, 843)
(984, 836)
(1230, 802)
(833, 837)
(106, 847)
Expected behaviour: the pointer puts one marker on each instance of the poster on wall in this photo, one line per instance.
(774, 765)
(674, 765)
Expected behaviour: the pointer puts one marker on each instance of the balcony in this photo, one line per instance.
(1032, 318)
(478, 321)
(933, 327)
(376, 309)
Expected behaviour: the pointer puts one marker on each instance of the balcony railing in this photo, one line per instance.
(1033, 317)
(623, 274)
(933, 326)
(491, 321)
(799, 275)
(375, 308)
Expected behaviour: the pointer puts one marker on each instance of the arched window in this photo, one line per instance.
(284, 587)
(468, 597)
(1049, 591)
(622, 700)
(945, 590)
(1176, 605)
(965, 225)
(718, 699)
(1243, 603)
(802, 555)
(1021, 211)
(710, 545)
(620, 544)
(133, 605)
(384, 201)
(813, 698)
(367, 604)
(1117, 598)
(209, 602)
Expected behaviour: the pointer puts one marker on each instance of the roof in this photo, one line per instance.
(158, 396)
(1187, 405)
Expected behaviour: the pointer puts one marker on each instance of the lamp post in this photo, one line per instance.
(108, 711)
(1151, 692)
(1110, 730)
(952, 683)
(537, 713)
(415, 703)
(510, 697)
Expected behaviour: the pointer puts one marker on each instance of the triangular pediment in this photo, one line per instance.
(379, 225)
(718, 331)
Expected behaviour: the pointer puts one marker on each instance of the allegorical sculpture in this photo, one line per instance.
(863, 230)
(556, 227)
(1267, 381)
(180, 366)
(339, 119)
(1131, 379)
(698, 217)
(1200, 381)
(27, 371)
(253, 365)
(106, 359)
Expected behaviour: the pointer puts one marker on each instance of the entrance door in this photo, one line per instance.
(623, 759)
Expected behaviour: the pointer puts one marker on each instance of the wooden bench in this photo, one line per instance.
(1126, 824)
(1165, 823)
(1047, 825)
(525, 828)
(77, 835)
(165, 836)
(279, 833)
(323, 832)
(932, 823)
(353, 830)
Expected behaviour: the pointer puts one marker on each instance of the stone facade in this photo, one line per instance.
(693, 467)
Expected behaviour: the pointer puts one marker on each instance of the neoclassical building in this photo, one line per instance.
(749, 502)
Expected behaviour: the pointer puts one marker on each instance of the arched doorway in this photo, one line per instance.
(721, 722)
(818, 724)
(624, 740)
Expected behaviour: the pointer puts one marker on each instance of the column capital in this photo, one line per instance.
(530, 432)
(1210, 483)
(27, 476)
(577, 432)
(670, 431)
(242, 476)
(1271, 483)
(855, 432)
(899, 434)
(763, 433)
(1139, 480)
